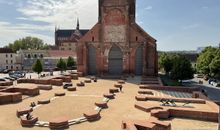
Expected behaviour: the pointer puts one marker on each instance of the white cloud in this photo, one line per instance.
(62, 13)
(191, 26)
(10, 32)
(148, 8)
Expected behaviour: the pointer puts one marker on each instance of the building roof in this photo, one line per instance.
(61, 53)
(68, 33)
(6, 50)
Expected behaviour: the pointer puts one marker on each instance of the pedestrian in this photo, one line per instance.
(120, 88)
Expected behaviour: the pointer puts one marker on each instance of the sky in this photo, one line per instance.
(176, 24)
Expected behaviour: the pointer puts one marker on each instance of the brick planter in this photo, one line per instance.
(28, 123)
(56, 82)
(121, 81)
(113, 90)
(59, 123)
(44, 101)
(71, 88)
(118, 85)
(88, 81)
(109, 95)
(145, 92)
(92, 115)
(23, 111)
(101, 104)
(45, 87)
(60, 94)
(80, 84)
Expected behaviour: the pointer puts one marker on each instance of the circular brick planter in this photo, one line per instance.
(59, 123)
(23, 111)
(113, 90)
(44, 101)
(28, 123)
(60, 94)
(92, 115)
(109, 95)
(118, 85)
(101, 104)
(81, 84)
(88, 81)
(121, 81)
(71, 88)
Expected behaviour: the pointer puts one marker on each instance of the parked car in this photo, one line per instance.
(218, 85)
(14, 77)
(8, 78)
(1, 79)
(5, 71)
(66, 85)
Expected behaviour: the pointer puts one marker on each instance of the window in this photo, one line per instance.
(6, 55)
(136, 38)
(29, 56)
(6, 67)
(16, 68)
(11, 61)
(6, 61)
(12, 67)
(35, 55)
(70, 49)
(93, 39)
(11, 55)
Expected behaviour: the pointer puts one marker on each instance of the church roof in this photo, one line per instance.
(68, 33)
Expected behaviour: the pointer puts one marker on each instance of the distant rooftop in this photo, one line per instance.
(69, 32)
(6, 50)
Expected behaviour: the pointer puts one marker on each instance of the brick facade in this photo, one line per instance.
(117, 27)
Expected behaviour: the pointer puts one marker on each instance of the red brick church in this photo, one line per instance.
(117, 45)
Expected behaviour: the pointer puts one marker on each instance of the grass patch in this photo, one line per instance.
(169, 82)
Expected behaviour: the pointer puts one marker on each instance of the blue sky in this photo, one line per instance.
(176, 24)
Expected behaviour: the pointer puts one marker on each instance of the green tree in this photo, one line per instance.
(182, 69)
(27, 43)
(214, 66)
(37, 67)
(61, 65)
(70, 62)
(205, 59)
(166, 61)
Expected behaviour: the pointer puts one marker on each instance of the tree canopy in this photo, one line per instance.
(166, 61)
(37, 67)
(62, 65)
(27, 43)
(70, 62)
(182, 69)
(209, 62)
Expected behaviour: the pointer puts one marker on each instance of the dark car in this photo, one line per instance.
(8, 78)
(218, 85)
(14, 77)
(66, 85)
(5, 71)
(1, 79)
